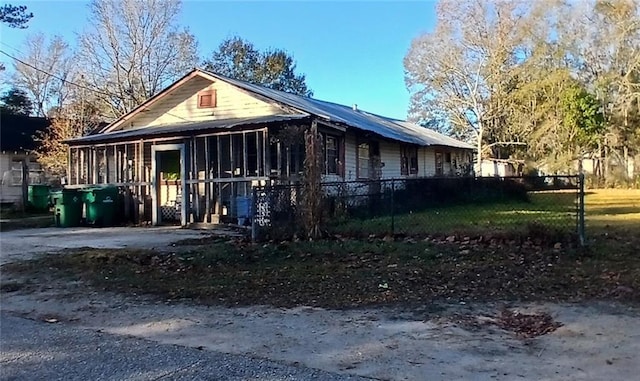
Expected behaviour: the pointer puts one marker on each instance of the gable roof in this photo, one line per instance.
(17, 131)
(331, 112)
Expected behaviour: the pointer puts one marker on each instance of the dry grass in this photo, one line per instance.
(613, 209)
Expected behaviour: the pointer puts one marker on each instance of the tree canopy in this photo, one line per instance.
(15, 101)
(15, 16)
(550, 82)
(47, 88)
(132, 49)
(272, 68)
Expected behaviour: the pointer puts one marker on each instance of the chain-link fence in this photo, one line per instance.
(427, 206)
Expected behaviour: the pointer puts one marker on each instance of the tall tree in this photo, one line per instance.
(15, 16)
(273, 68)
(464, 70)
(15, 101)
(47, 85)
(611, 62)
(560, 120)
(133, 49)
(72, 120)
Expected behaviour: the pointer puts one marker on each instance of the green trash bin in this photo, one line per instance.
(38, 197)
(67, 207)
(100, 203)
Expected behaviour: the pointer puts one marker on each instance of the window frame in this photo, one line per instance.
(359, 175)
(337, 157)
(212, 100)
(409, 156)
(439, 164)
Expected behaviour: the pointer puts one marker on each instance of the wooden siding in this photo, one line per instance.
(182, 105)
(350, 156)
(426, 161)
(390, 156)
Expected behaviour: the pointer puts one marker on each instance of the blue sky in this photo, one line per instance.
(351, 52)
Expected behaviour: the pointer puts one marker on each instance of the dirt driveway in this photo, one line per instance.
(595, 342)
(25, 243)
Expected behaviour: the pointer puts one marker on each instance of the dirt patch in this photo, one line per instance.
(441, 321)
(596, 341)
(355, 273)
(24, 244)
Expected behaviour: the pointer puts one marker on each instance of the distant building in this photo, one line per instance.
(16, 147)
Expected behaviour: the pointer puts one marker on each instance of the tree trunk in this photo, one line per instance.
(479, 156)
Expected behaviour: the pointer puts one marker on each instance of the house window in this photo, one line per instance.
(408, 160)
(447, 157)
(363, 161)
(207, 99)
(331, 154)
(16, 173)
(439, 168)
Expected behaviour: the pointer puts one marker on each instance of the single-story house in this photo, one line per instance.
(16, 146)
(209, 139)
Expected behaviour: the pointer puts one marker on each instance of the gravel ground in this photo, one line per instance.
(35, 350)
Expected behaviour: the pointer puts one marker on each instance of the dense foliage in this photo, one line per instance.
(273, 68)
(548, 82)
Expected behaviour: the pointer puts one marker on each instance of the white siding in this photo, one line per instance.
(390, 156)
(181, 105)
(426, 161)
(8, 192)
(350, 156)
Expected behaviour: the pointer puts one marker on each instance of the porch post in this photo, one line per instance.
(184, 159)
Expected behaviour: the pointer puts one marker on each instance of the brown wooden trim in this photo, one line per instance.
(207, 99)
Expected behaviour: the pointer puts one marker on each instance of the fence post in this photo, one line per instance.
(581, 227)
(253, 213)
(393, 209)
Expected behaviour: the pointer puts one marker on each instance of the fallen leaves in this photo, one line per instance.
(345, 272)
(527, 325)
(522, 325)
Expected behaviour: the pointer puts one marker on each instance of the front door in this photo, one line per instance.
(168, 184)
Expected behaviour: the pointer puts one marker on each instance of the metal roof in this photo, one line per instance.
(387, 127)
(183, 128)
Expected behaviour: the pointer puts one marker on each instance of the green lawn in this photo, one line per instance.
(551, 210)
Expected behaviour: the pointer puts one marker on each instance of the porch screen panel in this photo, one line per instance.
(129, 163)
(274, 158)
(146, 155)
(261, 154)
(252, 154)
(296, 153)
(201, 172)
(238, 155)
(111, 164)
(213, 157)
(225, 156)
(201, 157)
(101, 166)
(73, 161)
(84, 167)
